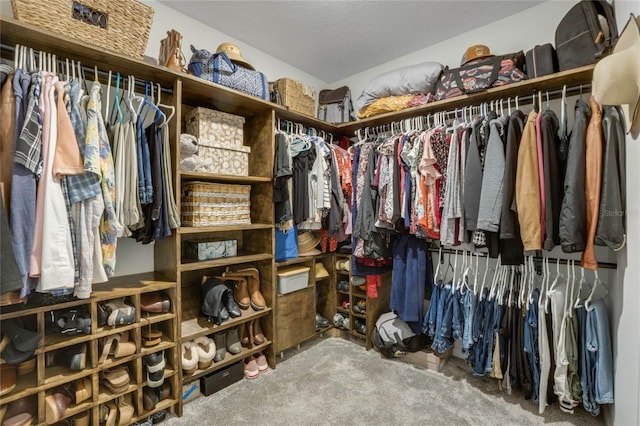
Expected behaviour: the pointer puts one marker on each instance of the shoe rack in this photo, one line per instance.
(48, 372)
(352, 301)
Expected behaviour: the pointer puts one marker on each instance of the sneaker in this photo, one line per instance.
(338, 320)
(261, 362)
(251, 370)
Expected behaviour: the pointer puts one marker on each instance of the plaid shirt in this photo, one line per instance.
(29, 143)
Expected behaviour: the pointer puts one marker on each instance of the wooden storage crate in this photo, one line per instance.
(296, 96)
(119, 25)
(215, 204)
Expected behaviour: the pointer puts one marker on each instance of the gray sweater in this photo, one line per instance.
(492, 193)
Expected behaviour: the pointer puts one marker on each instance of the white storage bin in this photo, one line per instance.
(292, 279)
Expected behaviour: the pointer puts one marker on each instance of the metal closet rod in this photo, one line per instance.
(89, 71)
(601, 265)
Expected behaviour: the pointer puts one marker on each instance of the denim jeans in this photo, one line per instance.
(598, 342)
(442, 339)
(587, 363)
(531, 343)
(468, 302)
(429, 323)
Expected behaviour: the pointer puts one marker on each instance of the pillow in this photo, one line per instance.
(411, 80)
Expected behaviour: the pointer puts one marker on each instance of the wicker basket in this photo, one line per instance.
(119, 25)
(297, 96)
(215, 204)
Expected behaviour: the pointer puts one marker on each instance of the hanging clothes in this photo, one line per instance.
(593, 182)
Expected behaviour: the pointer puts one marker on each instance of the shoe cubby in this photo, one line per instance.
(67, 361)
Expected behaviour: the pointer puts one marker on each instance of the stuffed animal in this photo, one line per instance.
(188, 153)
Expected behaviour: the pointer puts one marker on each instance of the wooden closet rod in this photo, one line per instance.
(104, 75)
(601, 265)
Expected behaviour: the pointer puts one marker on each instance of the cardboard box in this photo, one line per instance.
(190, 391)
(207, 250)
(427, 359)
(293, 279)
(222, 378)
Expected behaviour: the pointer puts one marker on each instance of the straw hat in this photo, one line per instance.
(476, 51)
(234, 53)
(616, 78)
(321, 271)
(307, 241)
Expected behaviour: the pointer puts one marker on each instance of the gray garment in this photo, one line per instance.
(492, 193)
(610, 229)
(572, 227)
(452, 209)
(10, 278)
(472, 179)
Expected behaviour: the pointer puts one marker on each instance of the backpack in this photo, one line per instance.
(335, 106)
(392, 336)
(585, 34)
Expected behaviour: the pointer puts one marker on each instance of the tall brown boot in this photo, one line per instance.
(252, 276)
(241, 293)
(246, 334)
(258, 336)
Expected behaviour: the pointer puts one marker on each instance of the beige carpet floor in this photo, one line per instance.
(334, 381)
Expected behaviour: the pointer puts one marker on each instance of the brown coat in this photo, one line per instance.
(528, 187)
(593, 181)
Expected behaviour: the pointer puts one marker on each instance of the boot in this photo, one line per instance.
(256, 300)
(258, 336)
(246, 338)
(241, 293)
(220, 340)
(233, 341)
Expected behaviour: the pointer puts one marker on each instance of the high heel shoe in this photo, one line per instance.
(252, 275)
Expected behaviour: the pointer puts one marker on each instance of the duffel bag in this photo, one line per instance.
(481, 74)
(218, 68)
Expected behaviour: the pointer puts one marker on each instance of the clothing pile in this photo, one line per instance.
(83, 176)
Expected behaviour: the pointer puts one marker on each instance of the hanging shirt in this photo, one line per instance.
(492, 194)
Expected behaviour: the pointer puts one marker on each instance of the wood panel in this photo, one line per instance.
(259, 135)
(295, 319)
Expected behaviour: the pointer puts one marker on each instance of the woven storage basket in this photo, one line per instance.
(297, 96)
(124, 27)
(215, 204)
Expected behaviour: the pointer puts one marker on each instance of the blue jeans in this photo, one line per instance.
(468, 301)
(429, 323)
(441, 329)
(598, 346)
(531, 344)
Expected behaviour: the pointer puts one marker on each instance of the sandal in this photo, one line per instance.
(109, 414)
(125, 413)
(116, 379)
(151, 336)
(118, 346)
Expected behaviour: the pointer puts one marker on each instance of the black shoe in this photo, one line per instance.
(321, 322)
(230, 304)
(69, 321)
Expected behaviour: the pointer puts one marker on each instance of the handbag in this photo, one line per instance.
(481, 74)
(218, 68)
(286, 244)
(541, 60)
(170, 55)
(335, 106)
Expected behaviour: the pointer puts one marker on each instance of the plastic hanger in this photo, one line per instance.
(577, 304)
(440, 261)
(598, 286)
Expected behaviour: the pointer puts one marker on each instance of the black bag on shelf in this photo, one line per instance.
(585, 34)
(541, 60)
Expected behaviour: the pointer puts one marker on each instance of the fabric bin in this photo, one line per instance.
(219, 380)
(207, 250)
(225, 161)
(216, 128)
(215, 204)
(293, 279)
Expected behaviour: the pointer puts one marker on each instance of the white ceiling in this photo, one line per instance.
(332, 40)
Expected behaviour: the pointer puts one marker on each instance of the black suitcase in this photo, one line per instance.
(541, 60)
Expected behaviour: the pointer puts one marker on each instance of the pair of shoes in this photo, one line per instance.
(117, 345)
(227, 341)
(116, 312)
(360, 307)
(19, 412)
(255, 365)
(345, 304)
(154, 364)
(197, 353)
(343, 265)
(116, 379)
(251, 334)
(116, 413)
(341, 320)
(360, 326)
(68, 321)
(73, 357)
(151, 335)
(321, 322)
(252, 277)
(342, 286)
(151, 396)
(155, 302)
(62, 397)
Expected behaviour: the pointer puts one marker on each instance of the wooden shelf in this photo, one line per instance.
(211, 229)
(363, 316)
(344, 311)
(245, 257)
(199, 326)
(210, 177)
(295, 261)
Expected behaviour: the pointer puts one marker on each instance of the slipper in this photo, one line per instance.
(206, 348)
(124, 347)
(116, 377)
(189, 357)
